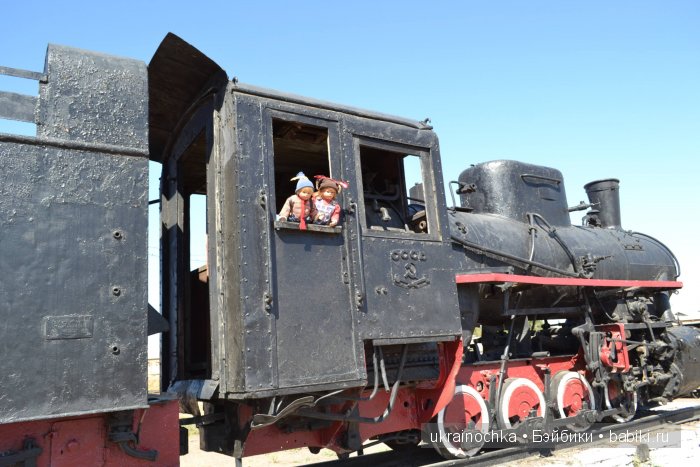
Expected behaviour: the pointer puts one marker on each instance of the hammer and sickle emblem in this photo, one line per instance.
(410, 272)
(410, 280)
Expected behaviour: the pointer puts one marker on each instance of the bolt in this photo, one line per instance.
(72, 445)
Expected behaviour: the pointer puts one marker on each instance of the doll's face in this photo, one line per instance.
(328, 194)
(305, 193)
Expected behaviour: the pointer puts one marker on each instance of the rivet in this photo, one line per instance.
(72, 445)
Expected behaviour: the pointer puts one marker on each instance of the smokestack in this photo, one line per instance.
(605, 194)
(416, 193)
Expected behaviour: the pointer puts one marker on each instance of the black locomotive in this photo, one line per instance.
(410, 318)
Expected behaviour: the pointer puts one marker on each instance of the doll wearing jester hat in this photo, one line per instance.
(327, 208)
(299, 207)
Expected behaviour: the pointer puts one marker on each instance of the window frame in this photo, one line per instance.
(425, 154)
(333, 141)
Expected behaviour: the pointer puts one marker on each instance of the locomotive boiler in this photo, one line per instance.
(516, 215)
(411, 320)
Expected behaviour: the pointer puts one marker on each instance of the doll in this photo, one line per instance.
(327, 208)
(299, 207)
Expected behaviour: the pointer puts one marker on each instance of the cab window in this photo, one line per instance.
(298, 147)
(393, 190)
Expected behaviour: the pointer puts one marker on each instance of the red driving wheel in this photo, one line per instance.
(572, 393)
(519, 398)
(467, 411)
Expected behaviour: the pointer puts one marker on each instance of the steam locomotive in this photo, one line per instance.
(409, 320)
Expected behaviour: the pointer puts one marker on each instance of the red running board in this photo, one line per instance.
(564, 281)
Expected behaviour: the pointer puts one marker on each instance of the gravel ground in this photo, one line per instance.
(673, 445)
(683, 449)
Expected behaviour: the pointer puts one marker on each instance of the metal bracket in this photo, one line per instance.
(360, 280)
(119, 430)
(25, 458)
(263, 420)
(18, 107)
(202, 420)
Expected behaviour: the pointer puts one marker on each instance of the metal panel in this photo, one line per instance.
(78, 442)
(296, 310)
(178, 75)
(94, 98)
(73, 287)
(315, 339)
(513, 189)
(73, 244)
(406, 281)
(227, 329)
(410, 290)
(243, 210)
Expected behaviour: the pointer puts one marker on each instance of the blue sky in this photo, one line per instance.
(594, 88)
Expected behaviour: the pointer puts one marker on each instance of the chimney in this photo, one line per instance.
(605, 194)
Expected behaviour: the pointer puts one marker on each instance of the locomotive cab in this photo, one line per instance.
(279, 309)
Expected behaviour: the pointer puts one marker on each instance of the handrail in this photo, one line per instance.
(19, 73)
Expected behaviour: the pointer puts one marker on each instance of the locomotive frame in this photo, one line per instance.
(494, 315)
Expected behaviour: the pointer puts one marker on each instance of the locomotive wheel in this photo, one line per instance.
(572, 391)
(519, 398)
(466, 411)
(616, 397)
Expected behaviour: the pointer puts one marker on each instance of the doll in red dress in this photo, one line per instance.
(327, 208)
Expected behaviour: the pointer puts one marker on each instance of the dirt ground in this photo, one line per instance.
(291, 458)
(681, 449)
